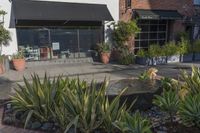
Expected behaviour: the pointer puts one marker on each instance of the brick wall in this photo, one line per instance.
(185, 7)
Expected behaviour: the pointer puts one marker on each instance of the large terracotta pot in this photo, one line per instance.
(19, 64)
(2, 69)
(105, 57)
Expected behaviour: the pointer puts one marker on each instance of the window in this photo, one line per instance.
(128, 4)
(152, 32)
(197, 2)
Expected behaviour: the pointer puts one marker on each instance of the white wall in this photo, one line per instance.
(12, 46)
(113, 6)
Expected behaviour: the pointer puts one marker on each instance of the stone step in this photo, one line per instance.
(59, 61)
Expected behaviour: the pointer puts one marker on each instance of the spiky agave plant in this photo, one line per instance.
(168, 102)
(133, 124)
(192, 81)
(37, 99)
(189, 110)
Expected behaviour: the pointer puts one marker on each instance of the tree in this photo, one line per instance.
(123, 31)
(4, 34)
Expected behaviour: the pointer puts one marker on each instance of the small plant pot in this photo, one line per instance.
(197, 57)
(142, 60)
(105, 57)
(187, 58)
(173, 59)
(19, 64)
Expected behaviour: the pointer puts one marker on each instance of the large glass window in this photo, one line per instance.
(52, 43)
(152, 32)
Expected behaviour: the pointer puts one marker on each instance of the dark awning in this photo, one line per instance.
(158, 14)
(45, 10)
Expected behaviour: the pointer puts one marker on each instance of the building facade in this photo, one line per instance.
(161, 20)
(52, 29)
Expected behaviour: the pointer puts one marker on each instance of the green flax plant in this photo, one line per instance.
(133, 124)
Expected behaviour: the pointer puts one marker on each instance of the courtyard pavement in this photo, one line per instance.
(87, 72)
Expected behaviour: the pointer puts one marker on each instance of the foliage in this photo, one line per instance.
(142, 53)
(113, 111)
(36, 99)
(1, 59)
(192, 81)
(150, 74)
(18, 55)
(184, 46)
(123, 31)
(133, 124)
(104, 47)
(168, 102)
(68, 103)
(170, 48)
(196, 46)
(154, 50)
(166, 83)
(189, 110)
(4, 34)
(184, 35)
(126, 57)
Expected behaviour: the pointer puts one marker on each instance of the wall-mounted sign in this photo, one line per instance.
(56, 46)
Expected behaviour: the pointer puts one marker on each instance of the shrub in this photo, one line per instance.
(196, 46)
(36, 99)
(184, 46)
(133, 124)
(141, 53)
(170, 48)
(68, 103)
(189, 110)
(123, 31)
(154, 50)
(126, 57)
(168, 102)
(104, 47)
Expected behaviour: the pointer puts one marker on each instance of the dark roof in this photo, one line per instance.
(45, 10)
(158, 14)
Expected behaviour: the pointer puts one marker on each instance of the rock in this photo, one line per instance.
(36, 125)
(47, 126)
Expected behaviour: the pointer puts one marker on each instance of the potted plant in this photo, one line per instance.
(154, 51)
(18, 61)
(185, 50)
(142, 57)
(171, 51)
(104, 50)
(196, 49)
(126, 57)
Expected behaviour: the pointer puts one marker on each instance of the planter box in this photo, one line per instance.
(161, 60)
(197, 57)
(142, 60)
(173, 59)
(187, 58)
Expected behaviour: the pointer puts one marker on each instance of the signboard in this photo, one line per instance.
(56, 46)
